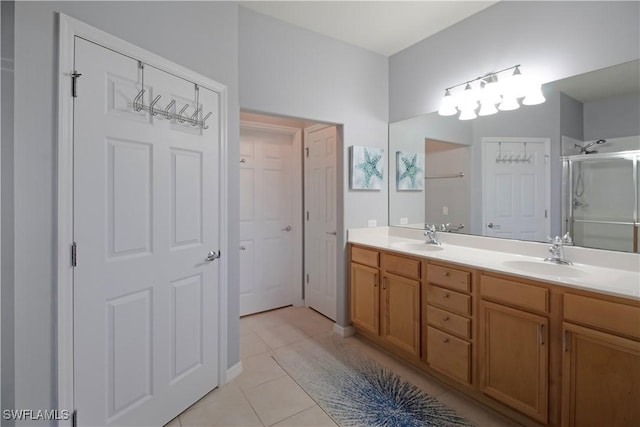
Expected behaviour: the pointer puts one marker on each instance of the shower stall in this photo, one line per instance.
(601, 193)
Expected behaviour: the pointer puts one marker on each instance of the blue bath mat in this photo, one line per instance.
(357, 391)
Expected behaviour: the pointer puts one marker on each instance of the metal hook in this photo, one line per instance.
(167, 114)
(205, 119)
(154, 102)
(137, 106)
(194, 117)
(180, 118)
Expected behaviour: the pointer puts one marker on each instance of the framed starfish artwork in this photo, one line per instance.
(409, 171)
(367, 168)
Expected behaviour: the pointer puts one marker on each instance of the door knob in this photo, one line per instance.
(333, 233)
(492, 225)
(212, 256)
(287, 228)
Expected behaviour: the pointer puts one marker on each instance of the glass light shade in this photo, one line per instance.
(508, 103)
(448, 105)
(467, 114)
(468, 99)
(534, 96)
(518, 83)
(490, 93)
(487, 109)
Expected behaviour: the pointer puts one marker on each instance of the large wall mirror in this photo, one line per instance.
(567, 165)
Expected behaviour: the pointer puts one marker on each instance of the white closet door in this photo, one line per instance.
(515, 196)
(145, 217)
(267, 262)
(320, 232)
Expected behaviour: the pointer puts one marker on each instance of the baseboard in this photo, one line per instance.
(234, 371)
(343, 331)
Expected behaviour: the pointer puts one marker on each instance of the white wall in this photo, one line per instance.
(551, 40)
(612, 117)
(289, 71)
(201, 36)
(443, 159)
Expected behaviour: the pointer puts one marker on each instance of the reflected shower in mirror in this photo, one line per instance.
(515, 174)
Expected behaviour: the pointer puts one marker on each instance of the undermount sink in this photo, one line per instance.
(545, 268)
(416, 246)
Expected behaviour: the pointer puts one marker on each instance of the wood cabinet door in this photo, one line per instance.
(514, 358)
(401, 312)
(601, 379)
(365, 298)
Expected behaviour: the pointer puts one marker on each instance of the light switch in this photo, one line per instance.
(445, 210)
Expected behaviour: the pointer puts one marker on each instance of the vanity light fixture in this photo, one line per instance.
(493, 92)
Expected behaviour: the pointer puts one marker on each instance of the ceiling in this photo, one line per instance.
(385, 27)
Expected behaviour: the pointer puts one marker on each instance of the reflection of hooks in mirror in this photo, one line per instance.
(513, 158)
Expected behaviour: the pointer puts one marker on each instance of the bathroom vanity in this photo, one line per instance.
(543, 344)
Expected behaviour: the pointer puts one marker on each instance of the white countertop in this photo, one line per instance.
(606, 272)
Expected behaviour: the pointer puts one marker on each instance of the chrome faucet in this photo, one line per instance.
(448, 227)
(557, 249)
(431, 234)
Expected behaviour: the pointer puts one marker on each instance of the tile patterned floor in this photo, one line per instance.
(265, 395)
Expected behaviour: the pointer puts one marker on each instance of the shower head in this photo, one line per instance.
(585, 149)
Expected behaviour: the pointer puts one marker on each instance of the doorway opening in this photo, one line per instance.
(288, 211)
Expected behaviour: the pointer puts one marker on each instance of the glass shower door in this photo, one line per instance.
(603, 201)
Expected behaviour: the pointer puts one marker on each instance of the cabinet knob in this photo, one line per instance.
(446, 340)
(447, 274)
(446, 319)
(445, 296)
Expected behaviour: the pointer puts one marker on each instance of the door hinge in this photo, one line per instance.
(74, 254)
(307, 279)
(307, 151)
(307, 215)
(74, 418)
(74, 83)
(545, 213)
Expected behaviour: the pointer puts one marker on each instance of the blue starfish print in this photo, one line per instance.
(411, 170)
(370, 167)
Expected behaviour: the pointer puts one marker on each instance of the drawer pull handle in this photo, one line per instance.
(446, 319)
(446, 340)
(447, 274)
(445, 296)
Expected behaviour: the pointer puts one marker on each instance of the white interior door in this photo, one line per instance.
(145, 217)
(320, 232)
(515, 183)
(270, 210)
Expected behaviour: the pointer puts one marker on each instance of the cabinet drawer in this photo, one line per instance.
(450, 322)
(610, 316)
(449, 278)
(365, 256)
(449, 355)
(401, 266)
(451, 300)
(514, 293)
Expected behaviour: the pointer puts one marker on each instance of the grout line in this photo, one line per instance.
(305, 391)
(251, 405)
